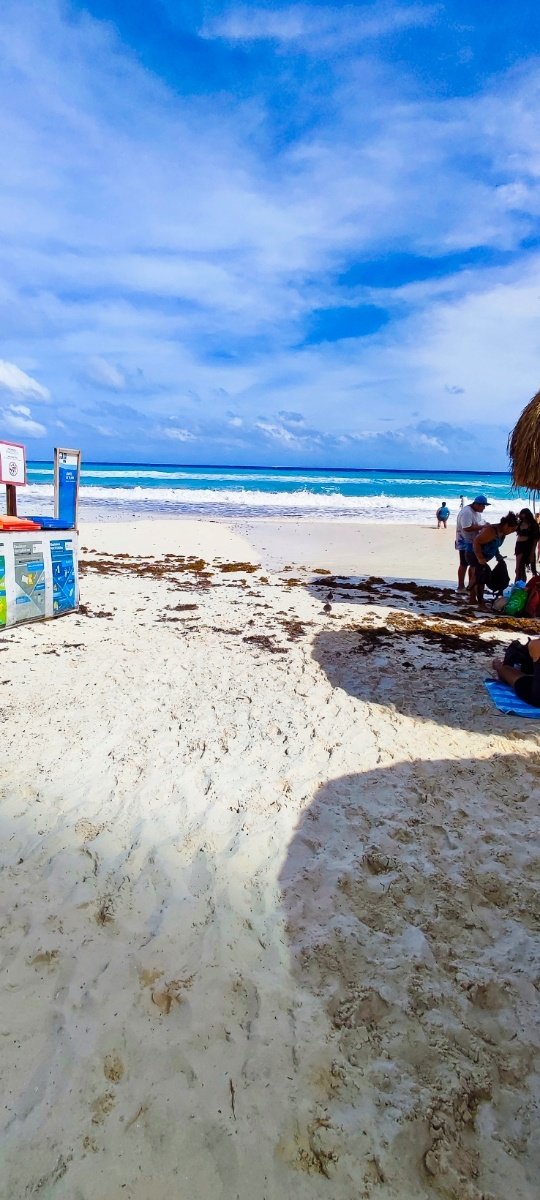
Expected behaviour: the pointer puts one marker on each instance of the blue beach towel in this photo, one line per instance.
(505, 699)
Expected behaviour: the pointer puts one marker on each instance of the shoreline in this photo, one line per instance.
(349, 548)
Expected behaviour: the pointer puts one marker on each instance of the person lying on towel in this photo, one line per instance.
(521, 669)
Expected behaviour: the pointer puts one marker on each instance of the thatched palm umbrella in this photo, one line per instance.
(524, 448)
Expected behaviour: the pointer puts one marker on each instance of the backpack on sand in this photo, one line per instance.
(517, 656)
(497, 577)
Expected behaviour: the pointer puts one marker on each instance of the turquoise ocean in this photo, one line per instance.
(121, 491)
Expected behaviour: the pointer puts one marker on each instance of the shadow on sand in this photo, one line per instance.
(420, 599)
(411, 906)
(417, 670)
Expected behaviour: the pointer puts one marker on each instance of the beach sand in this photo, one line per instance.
(269, 889)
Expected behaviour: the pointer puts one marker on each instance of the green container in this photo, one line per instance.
(517, 602)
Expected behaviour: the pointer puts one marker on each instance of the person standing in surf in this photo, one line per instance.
(442, 515)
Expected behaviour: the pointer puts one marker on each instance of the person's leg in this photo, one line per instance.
(472, 564)
(462, 570)
(507, 674)
(444, 523)
(520, 568)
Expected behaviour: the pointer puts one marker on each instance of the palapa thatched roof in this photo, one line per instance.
(524, 448)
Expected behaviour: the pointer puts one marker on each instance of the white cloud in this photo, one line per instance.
(151, 266)
(176, 435)
(17, 418)
(104, 374)
(317, 26)
(410, 438)
(13, 380)
(279, 431)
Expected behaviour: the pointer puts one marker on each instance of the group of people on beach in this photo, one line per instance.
(479, 542)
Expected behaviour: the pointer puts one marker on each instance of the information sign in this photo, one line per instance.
(12, 464)
(67, 469)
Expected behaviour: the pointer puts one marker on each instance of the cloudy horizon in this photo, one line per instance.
(278, 233)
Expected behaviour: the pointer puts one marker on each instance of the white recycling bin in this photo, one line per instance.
(39, 575)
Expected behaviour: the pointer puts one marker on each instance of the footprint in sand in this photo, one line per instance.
(169, 993)
(101, 1107)
(245, 1003)
(86, 830)
(45, 958)
(113, 1068)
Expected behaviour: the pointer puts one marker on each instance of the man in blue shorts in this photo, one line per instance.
(468, 525)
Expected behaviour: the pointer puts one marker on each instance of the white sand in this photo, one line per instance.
(270, 926)
(418, 552)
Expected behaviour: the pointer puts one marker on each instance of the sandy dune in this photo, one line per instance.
(269, 909)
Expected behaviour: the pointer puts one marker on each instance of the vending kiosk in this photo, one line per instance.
(38, 555)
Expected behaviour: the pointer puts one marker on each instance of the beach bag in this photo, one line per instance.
(533, 597)
(497, 577)
(517, 655)
(516, 604)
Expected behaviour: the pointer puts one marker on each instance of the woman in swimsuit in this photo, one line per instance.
(486, 546)
(527, 537)
(521, 669)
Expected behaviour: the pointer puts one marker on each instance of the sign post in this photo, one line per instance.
(12, 473)
(67, 470)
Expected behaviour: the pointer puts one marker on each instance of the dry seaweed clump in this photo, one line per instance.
(374, 587)
(122, 564)
(84, 610)
(163, 568)
(264, 642)
(229, 567)
(443, 636)
(294, 629)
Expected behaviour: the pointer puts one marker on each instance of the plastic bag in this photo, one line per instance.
(517, 602)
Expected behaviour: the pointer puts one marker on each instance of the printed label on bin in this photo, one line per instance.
(63, 574)
(29, 580)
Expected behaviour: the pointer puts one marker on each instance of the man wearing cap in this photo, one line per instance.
(468, 524)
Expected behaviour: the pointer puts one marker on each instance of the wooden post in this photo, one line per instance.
(11, 500)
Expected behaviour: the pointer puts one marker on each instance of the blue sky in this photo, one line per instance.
(270, 233)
